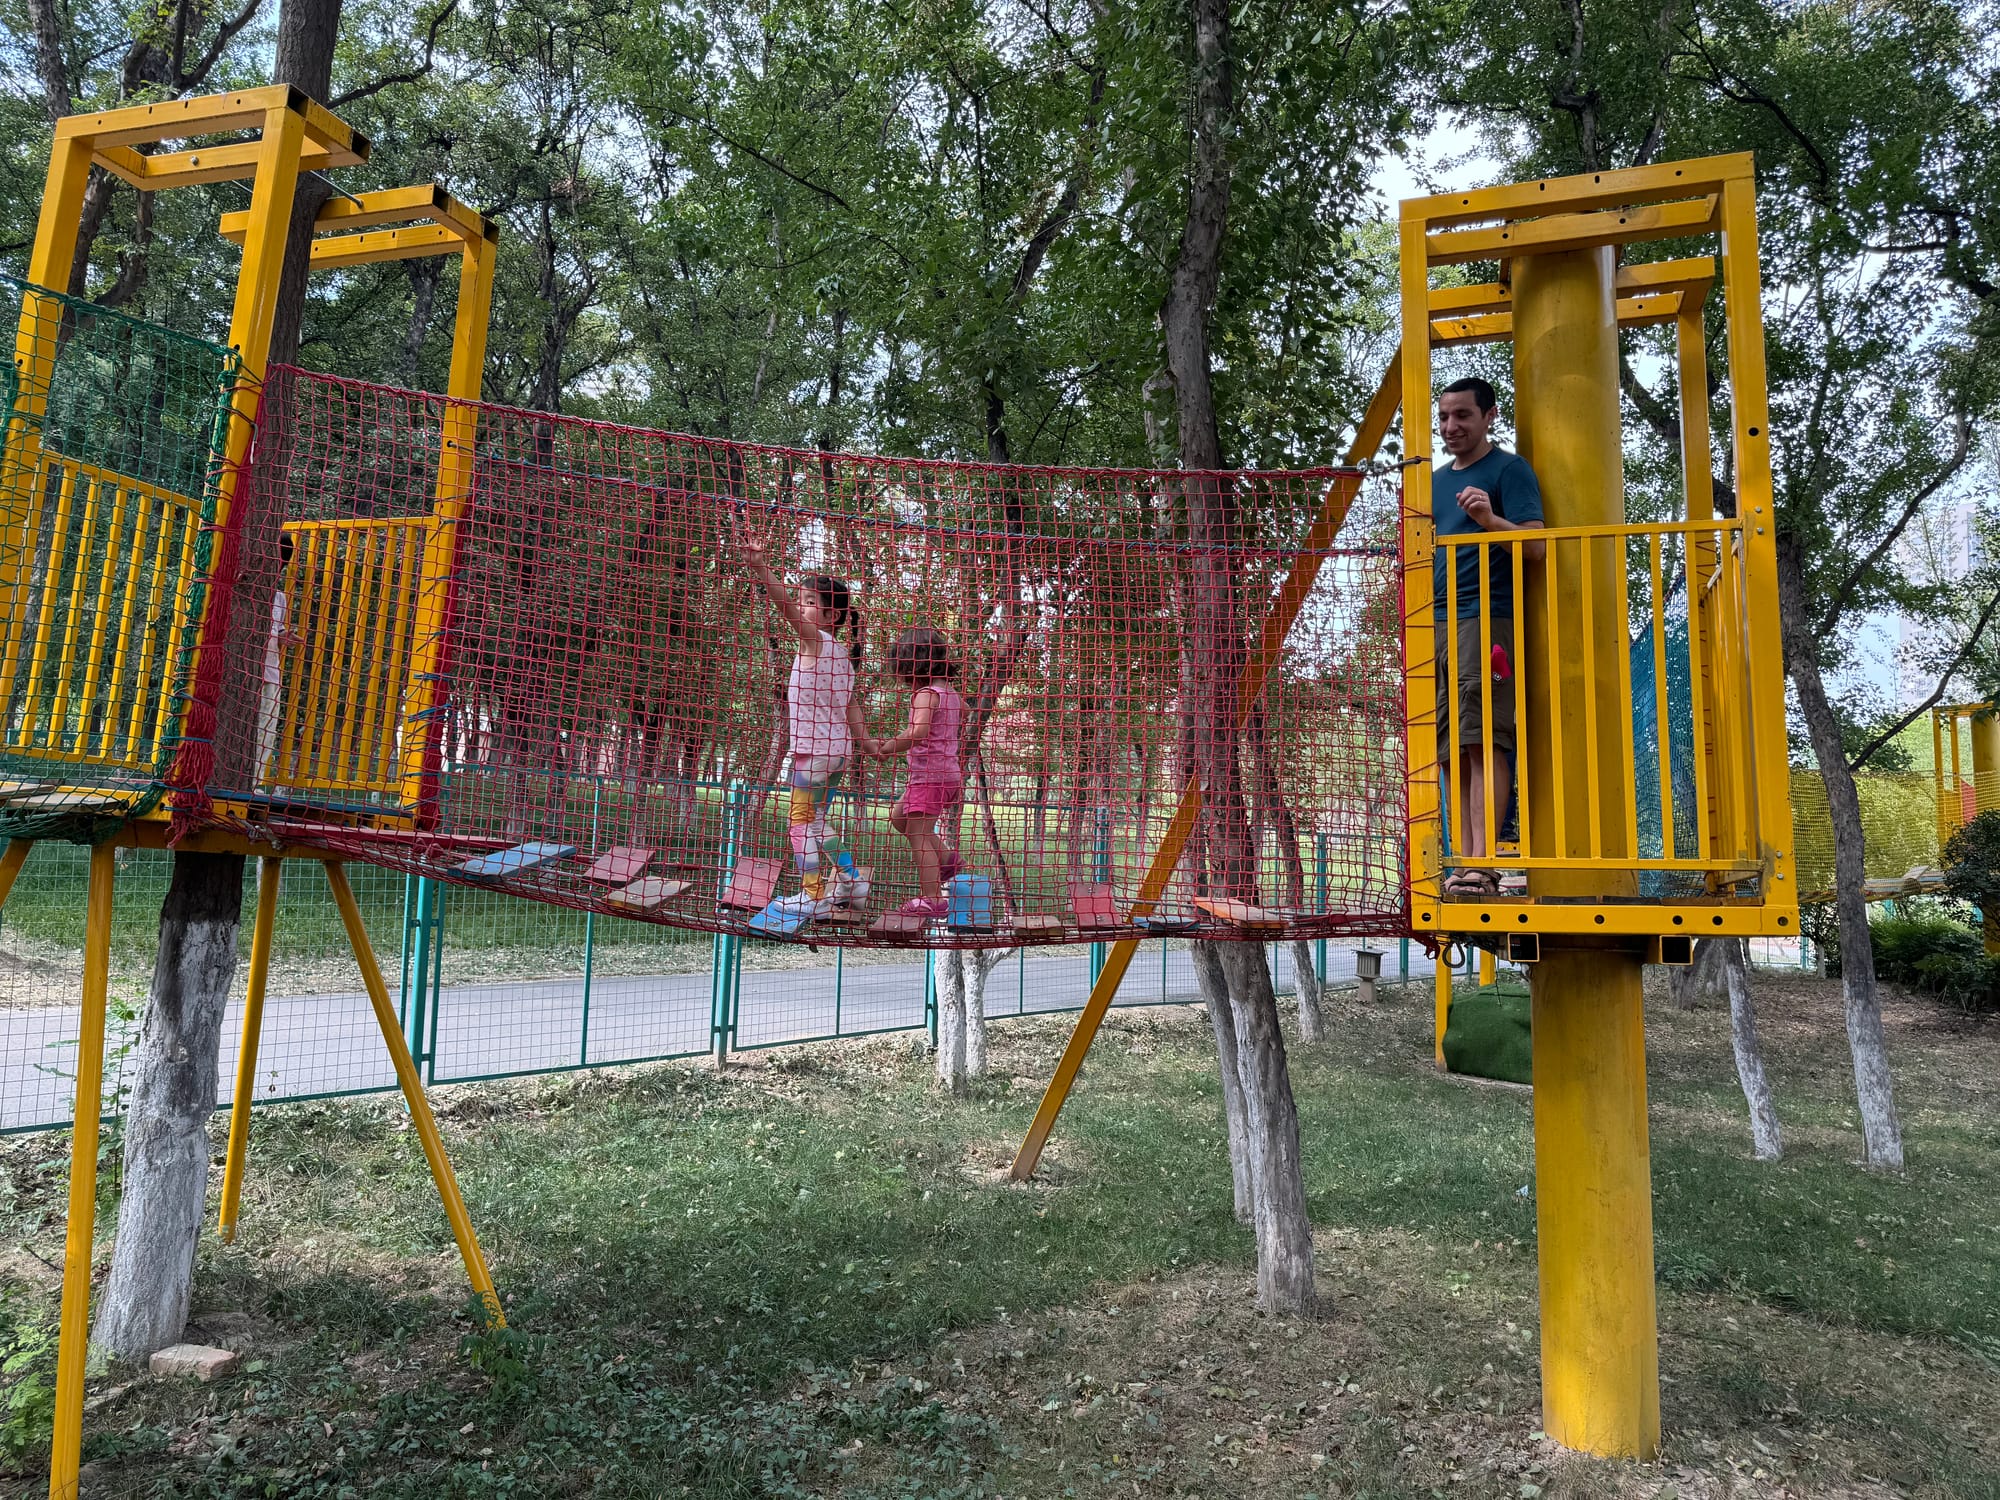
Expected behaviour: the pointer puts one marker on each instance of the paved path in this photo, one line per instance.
(322, 1044)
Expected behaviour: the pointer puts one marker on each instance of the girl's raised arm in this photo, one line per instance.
(755, 554)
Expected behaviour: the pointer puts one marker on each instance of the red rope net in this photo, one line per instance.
(567, 678)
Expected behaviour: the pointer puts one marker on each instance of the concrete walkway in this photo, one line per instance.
(325, 1044)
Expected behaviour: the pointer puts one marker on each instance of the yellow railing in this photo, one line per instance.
(97, 632)
(353, 589)
(1602, 598)
(1960, 789)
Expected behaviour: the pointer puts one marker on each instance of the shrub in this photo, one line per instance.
(1936, 956)
(1971, 859)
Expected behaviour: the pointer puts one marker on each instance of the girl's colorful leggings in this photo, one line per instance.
(813, 780)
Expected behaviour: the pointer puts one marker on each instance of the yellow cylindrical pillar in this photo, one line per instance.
(1986, 792)
(1593, 1172)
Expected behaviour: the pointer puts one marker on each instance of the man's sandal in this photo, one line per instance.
(1472, 883)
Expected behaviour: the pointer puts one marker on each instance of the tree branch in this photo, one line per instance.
(390, 80)
(772, 162)
(56, 97)
(194, 77)
(1944, 681)
(1961, 448)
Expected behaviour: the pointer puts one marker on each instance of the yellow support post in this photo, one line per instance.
(453, 494)
(1489, 968)
(1986, 792)
(413, 1095)
(1594, 1206)
(80, 1238)
(1440, 1005)
(246, 1052)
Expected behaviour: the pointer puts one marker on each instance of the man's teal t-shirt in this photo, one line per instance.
(1516, 496)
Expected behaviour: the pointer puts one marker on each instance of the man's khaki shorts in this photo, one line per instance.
(1474, 669)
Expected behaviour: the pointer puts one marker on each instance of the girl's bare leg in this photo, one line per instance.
(925, 846)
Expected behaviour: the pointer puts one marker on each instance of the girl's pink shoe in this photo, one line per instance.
(917, 906)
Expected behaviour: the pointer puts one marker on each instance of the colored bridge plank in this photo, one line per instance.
(649, 893)
(1094, 904)
(619, 866)
(1241, 914)
(515, 861)
(752, 883)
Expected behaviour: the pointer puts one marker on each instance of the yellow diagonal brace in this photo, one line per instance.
(413, 1095)
(1277, 625)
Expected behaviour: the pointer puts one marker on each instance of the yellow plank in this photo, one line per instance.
(1486, 328)
(373, 246)
(1629, 226)
(1586, 191)
(210, 164)
(370, 210)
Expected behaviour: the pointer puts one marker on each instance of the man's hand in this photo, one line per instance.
(1477, 504)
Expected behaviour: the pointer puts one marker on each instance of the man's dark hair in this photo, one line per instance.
(1482, 393)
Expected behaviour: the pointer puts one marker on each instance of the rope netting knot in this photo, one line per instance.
(502, 647)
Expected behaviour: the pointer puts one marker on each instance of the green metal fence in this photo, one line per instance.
(490, 986)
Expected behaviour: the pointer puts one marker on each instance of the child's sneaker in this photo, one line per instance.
(917, 906)
(790, 913)
(851, 891)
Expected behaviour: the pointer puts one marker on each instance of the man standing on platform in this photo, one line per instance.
(1483, 488)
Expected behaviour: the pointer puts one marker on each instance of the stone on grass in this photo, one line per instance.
(199, 1360)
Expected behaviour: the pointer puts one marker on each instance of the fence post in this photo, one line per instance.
(436, 940)
(1403, 957)
(723, 947)
(1100, 866)
(422, 969)
(1319, 902)
(930, 995)
(589, 935)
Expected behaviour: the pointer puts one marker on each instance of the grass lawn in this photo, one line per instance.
(806, 1278)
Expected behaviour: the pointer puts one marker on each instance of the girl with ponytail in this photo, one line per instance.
(826, 728)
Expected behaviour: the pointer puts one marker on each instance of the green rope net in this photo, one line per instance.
(110, 459)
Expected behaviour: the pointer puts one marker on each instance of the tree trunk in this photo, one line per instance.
(1311, 994)
(1765, 1137)
(950, 998)
(1215, 990)
(145, 1302)
(424, 276)
(1696, 982)
(1284, 1235)
(146, 1297)
(982, 964)
(1882, 1136)
(1209, 711)
(306, 33)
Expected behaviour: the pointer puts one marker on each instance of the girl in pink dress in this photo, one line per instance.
(922, 660)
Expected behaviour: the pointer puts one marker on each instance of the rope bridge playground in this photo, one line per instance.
(252, 609)
(563, 682)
